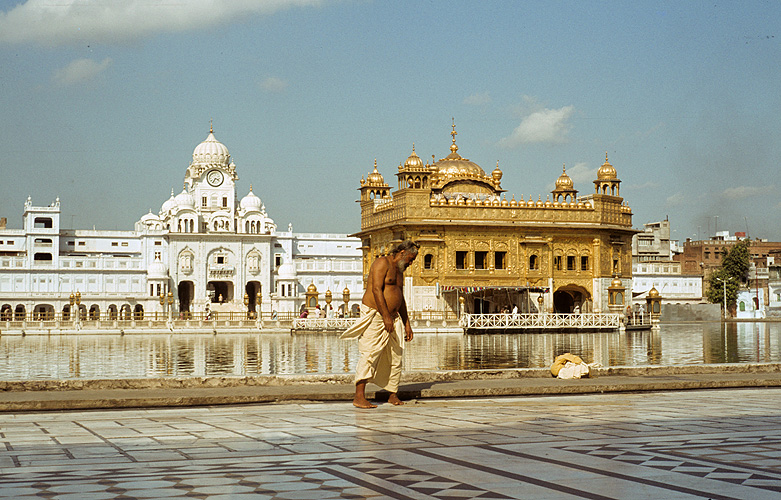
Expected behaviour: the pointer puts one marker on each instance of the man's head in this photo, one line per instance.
(405, 252)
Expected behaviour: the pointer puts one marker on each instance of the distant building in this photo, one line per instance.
(561, 254)
(206, 247)
(653, 267)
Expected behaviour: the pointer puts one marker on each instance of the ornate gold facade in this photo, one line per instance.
(561, 253)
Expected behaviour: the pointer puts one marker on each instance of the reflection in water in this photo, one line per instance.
(182, 355)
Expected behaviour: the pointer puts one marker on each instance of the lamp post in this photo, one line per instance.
(346, 299)
(724, 282)
(328, 298)
(167, 300)
(246, 304)
(72, 300)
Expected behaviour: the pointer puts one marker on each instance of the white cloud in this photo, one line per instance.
(743, 192)
(581, 175)
(80, 71)
(547, 125)
(274, 85)
(478, 99)
(74, 21)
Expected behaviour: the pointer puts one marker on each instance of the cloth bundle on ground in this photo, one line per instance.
(569, 366)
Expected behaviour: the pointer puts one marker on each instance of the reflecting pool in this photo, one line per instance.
(183, 355)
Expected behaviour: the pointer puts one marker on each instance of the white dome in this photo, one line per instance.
(157, 270)
(185, 200)
(251, 202)
(150, 217)
(169, 204)
(211, 152)
(286, 271)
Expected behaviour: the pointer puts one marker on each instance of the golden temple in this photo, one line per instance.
(564, 254)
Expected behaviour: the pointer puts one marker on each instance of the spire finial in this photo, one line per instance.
(453, 146)
(605, 156)
(375, 164)
(564, 168)
(211, 126)
(250, 188)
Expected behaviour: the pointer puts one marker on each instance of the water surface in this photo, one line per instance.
(182, 355)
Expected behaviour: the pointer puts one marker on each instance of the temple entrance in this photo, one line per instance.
(186, 291)
(571, 299)
(220, 291)
(252, 289)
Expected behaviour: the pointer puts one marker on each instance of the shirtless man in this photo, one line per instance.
(383, 302)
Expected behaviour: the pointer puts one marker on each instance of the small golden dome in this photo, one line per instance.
(311, 288)
(653, 292)
(414, 160)
(616, 283)
(564, 181)
(497, 174)
(606, 171)
(375, 178)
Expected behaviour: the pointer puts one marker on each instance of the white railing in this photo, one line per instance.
(534, 320)
(323, 323)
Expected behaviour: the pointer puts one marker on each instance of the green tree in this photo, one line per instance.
(733, 272)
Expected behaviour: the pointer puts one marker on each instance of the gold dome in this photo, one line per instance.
(455, 165)
(414, 161)
(653, 292)
(497, 174)
(606, 171)
(616, 283)
(564, 181)
(375, 178)
(311, 288)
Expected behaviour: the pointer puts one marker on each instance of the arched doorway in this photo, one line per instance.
(138, 312)
(82, 312)
(112, 312)
(43, 312)
(220, 291)
(6, 312)
(20, 313)
(186, 292)
(124, 313)
(570, 299)
(252, 289)
(94, 312)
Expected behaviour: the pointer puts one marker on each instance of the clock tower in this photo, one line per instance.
(211, 180)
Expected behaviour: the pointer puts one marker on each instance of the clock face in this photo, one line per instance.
(214, 177)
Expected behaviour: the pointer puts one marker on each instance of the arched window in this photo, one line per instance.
(534, 263)
(428, 261)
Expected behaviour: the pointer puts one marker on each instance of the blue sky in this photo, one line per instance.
(104, 101)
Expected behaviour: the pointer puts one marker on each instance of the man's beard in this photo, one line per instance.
(402, 265)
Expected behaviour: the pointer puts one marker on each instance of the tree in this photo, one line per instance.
(733, 272)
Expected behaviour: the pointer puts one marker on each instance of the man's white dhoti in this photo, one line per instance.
(381, 351)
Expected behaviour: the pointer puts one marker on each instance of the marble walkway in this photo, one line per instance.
(716, 444)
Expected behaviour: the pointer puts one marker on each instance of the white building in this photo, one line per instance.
(653, 267)
(210, 250)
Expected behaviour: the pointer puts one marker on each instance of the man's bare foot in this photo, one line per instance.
(394, 400)
(363, 403)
